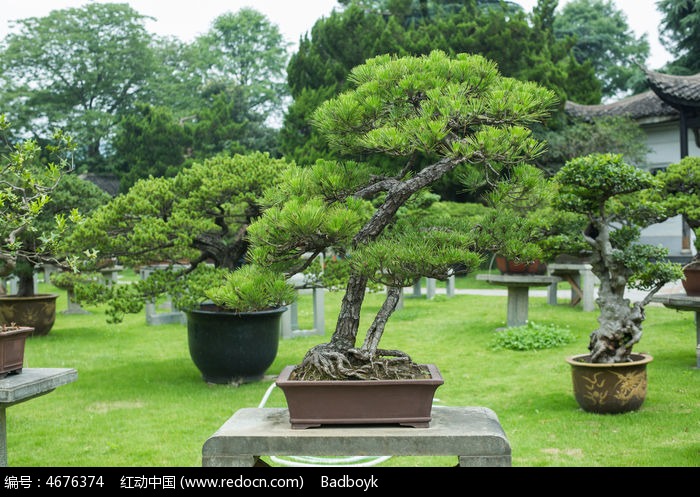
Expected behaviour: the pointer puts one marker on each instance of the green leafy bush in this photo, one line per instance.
(532, 336)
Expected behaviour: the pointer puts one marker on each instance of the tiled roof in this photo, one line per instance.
(107, 182)
(677, 91)
(668, 93)
(638, 106)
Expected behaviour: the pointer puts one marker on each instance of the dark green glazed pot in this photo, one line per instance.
(233, 348)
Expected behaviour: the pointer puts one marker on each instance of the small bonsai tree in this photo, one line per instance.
(67, 280)
(681, 195)
(614, 198)
(439, 115)
(193, 224)
(32, 220)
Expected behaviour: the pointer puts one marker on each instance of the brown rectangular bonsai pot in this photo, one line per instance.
(345, 402)
(12, 342)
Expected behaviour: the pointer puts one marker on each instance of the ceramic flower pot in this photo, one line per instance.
(691, 280)
(508, 266)
(609, 388)
(12, 341)
(233, 348)
(339, 402)
(36, 311)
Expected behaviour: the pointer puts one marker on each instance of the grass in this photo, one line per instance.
(140, 401)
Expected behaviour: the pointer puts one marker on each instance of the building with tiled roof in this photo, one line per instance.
(669, 115)
(107, 182)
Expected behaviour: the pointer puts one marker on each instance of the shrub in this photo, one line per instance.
(532, 336)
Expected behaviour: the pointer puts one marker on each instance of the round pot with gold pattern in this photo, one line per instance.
(611, 388)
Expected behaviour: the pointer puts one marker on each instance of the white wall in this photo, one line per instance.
(664, 141)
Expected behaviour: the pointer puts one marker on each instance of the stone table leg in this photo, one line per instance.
(450, 289)
(430, 287)
(294, 313)
(399, 305)
(552, 294)
(289, 325)
(3, 437)
(588, 289)
(576, 293)
(517, 305)
(697, 338)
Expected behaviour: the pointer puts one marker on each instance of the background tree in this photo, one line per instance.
(223, 93)
(242, 61)
(618, 135)
(501, 32)
(223, 125)
(148, 142)
(602, 36)
(176, 83)
(85, 69)
(550, 61)
(79, 69)
(680, 34)
(318, 71)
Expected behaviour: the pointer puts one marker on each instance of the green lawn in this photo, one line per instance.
(140, 401)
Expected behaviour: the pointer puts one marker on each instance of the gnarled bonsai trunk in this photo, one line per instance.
(620, 327)
(620, 322)
(24, 270)
(339, 358)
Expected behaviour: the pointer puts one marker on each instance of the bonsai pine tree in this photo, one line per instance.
(193, 224)
(438, 115)
(615, 198)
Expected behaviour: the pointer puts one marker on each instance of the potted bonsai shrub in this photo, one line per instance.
(681, 195)
(37, 206)
(67, 280)
(613, 196)
(414, 120)
(234, 336)
(194, 226)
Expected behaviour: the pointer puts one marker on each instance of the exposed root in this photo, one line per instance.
(324, 362)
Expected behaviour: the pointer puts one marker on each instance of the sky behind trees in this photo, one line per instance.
(186, 20)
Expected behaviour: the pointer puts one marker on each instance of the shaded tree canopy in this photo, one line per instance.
(618, 135)
(523, 48)
(80, 69)
(680, 34)
(602, 36)
(148, 142)
(245, 51)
